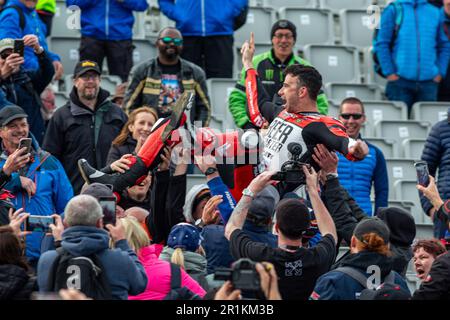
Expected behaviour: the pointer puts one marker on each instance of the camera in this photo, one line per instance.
(242, 274)
(292, 170)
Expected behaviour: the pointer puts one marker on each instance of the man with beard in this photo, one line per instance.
(159, 82)
(86, 125)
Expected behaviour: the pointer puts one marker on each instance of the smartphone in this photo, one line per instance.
(39, 223)
(108, 205)
(25, 142)
(422, 173)
(19, 47)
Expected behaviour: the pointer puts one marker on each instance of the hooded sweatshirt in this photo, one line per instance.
(190, 197)
(124, 271)
(159, 276)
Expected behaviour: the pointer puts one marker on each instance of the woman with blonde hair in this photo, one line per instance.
(158, 271)
(369, 262)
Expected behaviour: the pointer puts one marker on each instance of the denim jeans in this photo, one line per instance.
(411, 91)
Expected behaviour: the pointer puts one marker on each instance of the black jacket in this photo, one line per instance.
(15, 283)
(72, 131)
(116, 152)
(438, 285)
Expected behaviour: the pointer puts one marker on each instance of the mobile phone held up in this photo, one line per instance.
(25, 142)
(19, 47)
(39, 223)
(108, 205)
(422, 173)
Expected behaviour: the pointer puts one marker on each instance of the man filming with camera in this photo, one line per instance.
(298, 268)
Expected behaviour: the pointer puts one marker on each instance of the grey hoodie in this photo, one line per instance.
(190, 197)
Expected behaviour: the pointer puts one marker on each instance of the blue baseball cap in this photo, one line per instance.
(184, 236)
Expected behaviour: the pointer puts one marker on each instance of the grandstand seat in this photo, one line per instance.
(67, 49)
(139, 25)
(401, 130)
(413, 282)
(144, 50)
(413, 148)
(333, 108)
(259, 21)
(61, 99)
(356, 27)
(424, 230)
(383, 110)
(66, 22)
(370, 75)
(430, 111)
(406, 189)
(109, 83)
(315, 26)
(259, 48)
(193, 179)
(387, 146)
(335, 63)
(337, 5)
(340, 91)
(219, 89)
(399, 169)
(292, 3)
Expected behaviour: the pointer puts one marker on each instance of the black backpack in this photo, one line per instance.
(176, 291)
(20, 12)
(398, 21)
(387, 290)
(82, 273)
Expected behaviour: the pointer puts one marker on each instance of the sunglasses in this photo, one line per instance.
(355, 116)
(176, 41)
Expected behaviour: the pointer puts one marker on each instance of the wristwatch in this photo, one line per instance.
(249, 193)
(332, 175)
(199, 223)
(210, 170)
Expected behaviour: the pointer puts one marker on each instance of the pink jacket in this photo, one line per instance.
(158, 273)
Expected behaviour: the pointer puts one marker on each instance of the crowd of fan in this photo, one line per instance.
(162, 241)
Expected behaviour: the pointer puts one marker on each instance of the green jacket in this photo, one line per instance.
(270, 70)
(46, 5)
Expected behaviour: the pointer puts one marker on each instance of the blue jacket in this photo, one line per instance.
(421, 50)
(357, 177)
(436, 153)
(53, 191)
(10, 28)
(108, 19)
(125, 273)
(203, 17)
(335, 285)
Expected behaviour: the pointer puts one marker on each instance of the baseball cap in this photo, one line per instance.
(184, 236)
(292, 217)
(10, 113)
(84, 66)
(372, 225)
(6, 43)
(262, 207)
(284, 24)
(97, 190)
(387, 291)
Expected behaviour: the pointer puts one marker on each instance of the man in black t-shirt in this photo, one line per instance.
(297, 267)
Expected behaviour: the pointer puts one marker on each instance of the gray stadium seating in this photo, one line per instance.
(259, 48)
(292, 3)
(340, 91)
(356, 26)
(219, 90)
(406, 189)
(144, 50)
(399, 169)
(66, 22)
(387, 146)
(139, 25)
(430, 111)
(335, 63)
(61, 99)
(315, 26)
(370, 75)
(67, 49)
(383, 110)
(413, 148)
(401, 130)
(259, 21)
(110, 82)
(193, 179)
(337, 5)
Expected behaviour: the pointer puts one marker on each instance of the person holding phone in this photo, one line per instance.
(43, 187)
(23, 87)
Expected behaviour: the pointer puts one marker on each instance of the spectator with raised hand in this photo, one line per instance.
(85, 236)
(20, 19)
(158, 271)
(425, 253)
(23, 87)
(107, 31)
(16, 280)
(297, 267)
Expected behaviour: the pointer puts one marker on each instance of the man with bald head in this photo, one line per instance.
(160, 81)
